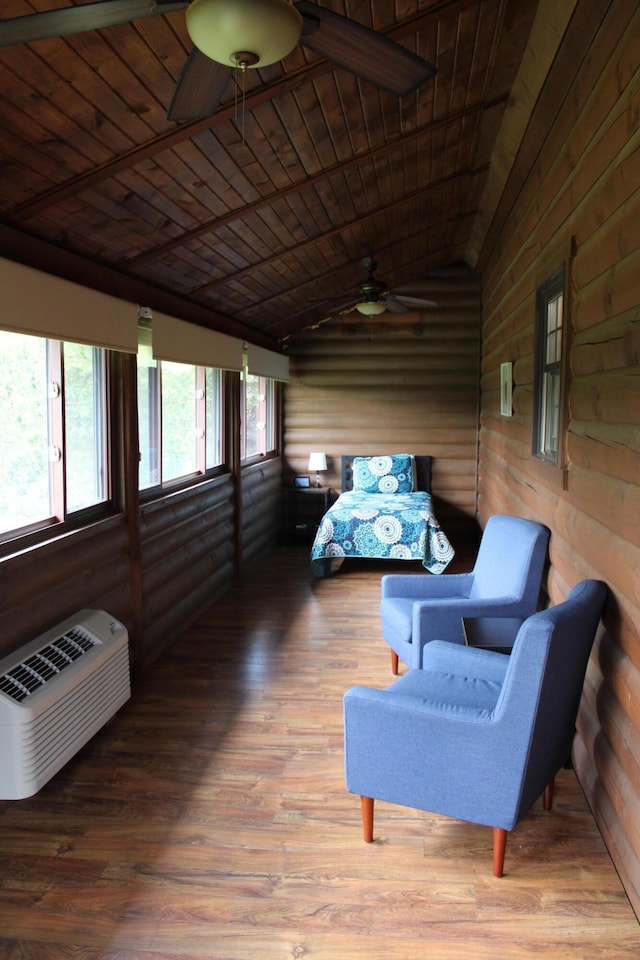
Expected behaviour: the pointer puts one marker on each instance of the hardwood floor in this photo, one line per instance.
(210, 819)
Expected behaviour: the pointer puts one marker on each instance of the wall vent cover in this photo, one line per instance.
(56, 692)
(27, 677)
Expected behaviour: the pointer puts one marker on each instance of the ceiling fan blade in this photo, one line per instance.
(414, 301)
(346, 307)
(200, 88)
(394, 305)
(362, 51)
(87, 16)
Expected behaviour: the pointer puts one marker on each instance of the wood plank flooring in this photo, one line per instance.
(210, 820)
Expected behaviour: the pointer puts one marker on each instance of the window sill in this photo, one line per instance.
(49, 538)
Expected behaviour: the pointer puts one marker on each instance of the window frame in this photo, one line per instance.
(203, 472)
(553, 281)
(62, 520)
(271, 402)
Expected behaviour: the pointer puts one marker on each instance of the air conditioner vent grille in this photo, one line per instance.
(25, 678)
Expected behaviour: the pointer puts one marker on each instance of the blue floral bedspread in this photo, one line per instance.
(396, 526)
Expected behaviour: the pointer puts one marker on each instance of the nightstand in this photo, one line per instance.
(304, 508)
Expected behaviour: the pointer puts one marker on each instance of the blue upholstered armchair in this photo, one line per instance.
(474, 734)
(504, 585)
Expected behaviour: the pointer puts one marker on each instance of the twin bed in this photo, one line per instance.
(384, 513)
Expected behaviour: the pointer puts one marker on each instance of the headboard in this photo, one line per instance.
(423, 471)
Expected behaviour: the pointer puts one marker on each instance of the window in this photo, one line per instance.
(180, 419)
(258, 420)
(53, 402)
(548, 418)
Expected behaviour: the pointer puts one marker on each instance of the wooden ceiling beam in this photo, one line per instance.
(380, 254)
(360, 218)
(185, 131)
(325, 174)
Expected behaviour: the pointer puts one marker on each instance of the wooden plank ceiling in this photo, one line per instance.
(258, 218)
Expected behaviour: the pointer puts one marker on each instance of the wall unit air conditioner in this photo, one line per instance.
(55, 694)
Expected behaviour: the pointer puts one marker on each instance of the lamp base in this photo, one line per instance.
(317, 483)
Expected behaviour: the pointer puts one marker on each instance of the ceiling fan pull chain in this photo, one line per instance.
(243, 67)
(243, 60)
(235, 94)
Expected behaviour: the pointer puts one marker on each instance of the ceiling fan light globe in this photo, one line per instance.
(222, 29)
(371, 308)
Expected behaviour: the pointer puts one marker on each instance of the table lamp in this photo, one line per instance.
(317, 462)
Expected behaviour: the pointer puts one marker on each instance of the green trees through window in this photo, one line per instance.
(258, 422)
(179, 420)
(54, 414)
(52, 409)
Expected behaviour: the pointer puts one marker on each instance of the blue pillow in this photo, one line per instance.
(392, 474)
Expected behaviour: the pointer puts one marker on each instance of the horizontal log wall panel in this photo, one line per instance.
(44, 585)
(612, 502)
(612, 804)
(187, 551)
(399, 383)
(584, 182)
(609, 448)
(611, 734)
(386, 380)
(172, 622)
(610, 396)
(210, 549)
(617, 728)
(261, 508)
(188, 518)
(615, 342)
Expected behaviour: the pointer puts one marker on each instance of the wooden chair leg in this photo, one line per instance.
(547, 796)
(366, 805)
(499, 847)
(394, 663)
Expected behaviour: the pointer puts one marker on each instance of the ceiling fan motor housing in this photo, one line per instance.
(372, 290)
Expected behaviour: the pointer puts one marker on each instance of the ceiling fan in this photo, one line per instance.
(374, 296)
(239, 34)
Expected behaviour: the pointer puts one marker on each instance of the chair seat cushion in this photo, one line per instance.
(449, 693)
(397, 617)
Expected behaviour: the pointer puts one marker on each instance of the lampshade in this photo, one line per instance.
(317, 461)
(371, 308)
(250, 32)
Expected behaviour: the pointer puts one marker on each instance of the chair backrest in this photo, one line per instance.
(543, 684)
(511, 561)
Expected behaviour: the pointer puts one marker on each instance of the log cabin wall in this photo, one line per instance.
(584, 183)
(261, 507)
(154, 565)
(188, 558)
(396, 383)
(46, 584)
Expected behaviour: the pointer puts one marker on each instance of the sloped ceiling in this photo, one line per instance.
(256, 220)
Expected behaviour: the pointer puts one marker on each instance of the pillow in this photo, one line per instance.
(392, 474)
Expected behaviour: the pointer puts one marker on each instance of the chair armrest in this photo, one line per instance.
(409, 710)
(442, 619)
(439, 655)
(424, 586)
